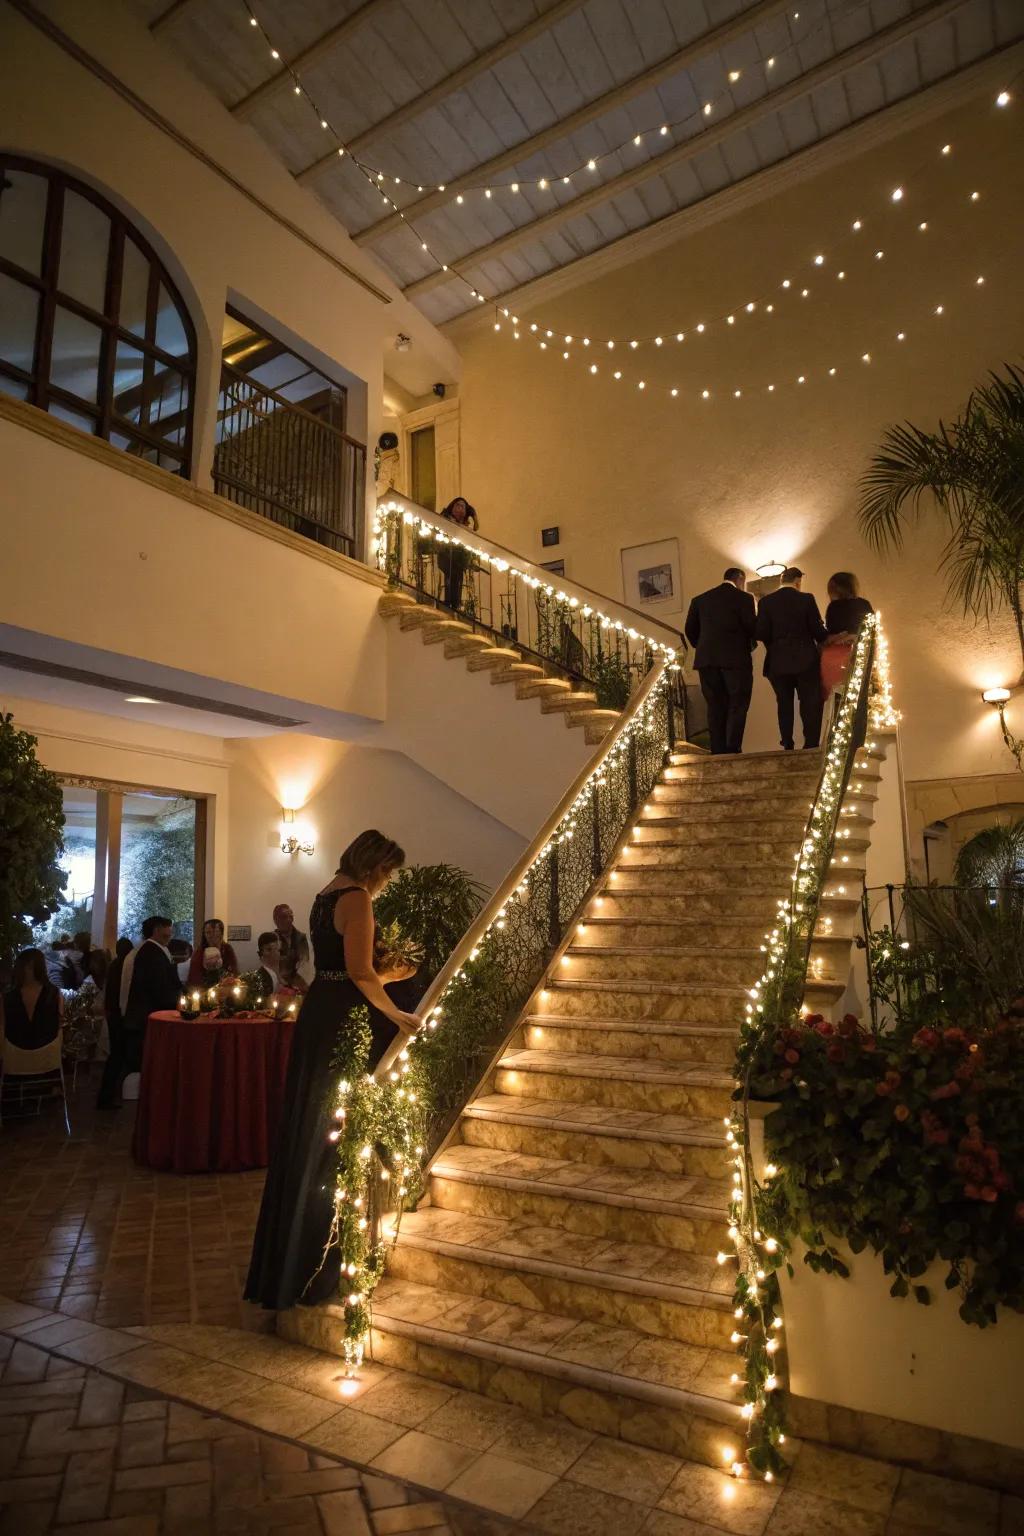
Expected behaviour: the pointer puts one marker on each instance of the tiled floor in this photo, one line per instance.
(133, 1403)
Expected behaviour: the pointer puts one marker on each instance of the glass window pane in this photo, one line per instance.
(22, 216)
(129, 380)
(158, 849)
(84, 245)
(74, 365)
(170, 333)
(76, 418)
(134, 289)
(13, 387)
(169, 396)
(19, 308)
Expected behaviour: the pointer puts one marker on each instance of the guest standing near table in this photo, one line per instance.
(109, 1096)
(790, 628)
(720, 627)
(290, 1262)
(154, 985)
(213, 938)
(294, 947)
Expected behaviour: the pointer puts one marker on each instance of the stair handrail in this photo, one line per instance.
(776, 1001)
(648, 719)
(563, 625)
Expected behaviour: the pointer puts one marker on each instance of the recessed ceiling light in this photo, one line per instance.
(139, 698)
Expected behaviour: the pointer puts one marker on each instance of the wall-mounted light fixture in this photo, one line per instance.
(770, 568)
(999, 698)
(294, 838)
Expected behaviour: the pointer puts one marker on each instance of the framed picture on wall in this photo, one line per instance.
(549, 536)
(650, 575)
(556, 567)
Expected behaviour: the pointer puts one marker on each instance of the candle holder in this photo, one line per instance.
(188, 1007)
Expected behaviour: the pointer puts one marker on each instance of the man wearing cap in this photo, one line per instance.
(790, 628)
(720, 627)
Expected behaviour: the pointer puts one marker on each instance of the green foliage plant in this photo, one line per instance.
(31, 839)
(993, 856)
(972, 472)
(431, 906)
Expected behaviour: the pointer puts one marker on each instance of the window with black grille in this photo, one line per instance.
(92, 329)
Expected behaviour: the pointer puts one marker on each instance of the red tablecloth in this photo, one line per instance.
(211, 1092)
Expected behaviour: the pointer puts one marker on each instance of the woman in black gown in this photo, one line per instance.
(288, 1263)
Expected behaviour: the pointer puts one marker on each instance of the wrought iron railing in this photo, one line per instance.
(288, 465)
(477, 998)
(595, 642)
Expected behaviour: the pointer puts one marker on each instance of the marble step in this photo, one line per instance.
(739, 854)
(677, 893)
(683, 768)
(660, 1393)
(493, 656)
(694, 1002)
(660, 963)
(687, 1214)
(663, 1040)
(444, 630)
(569, 701)
(420, 614)
(596, 1134)
(616, 1082)
(694, 808)
(516, 672)
(600, 928)
(678, 832)
(465, 645)
(653, 1290)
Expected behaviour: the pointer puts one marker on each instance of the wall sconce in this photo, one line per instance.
(770, 568)
(298, 840)
(999, 698)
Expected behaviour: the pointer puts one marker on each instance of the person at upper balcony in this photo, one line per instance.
(843, 617)
(454, 560)
(213, 938)
(790, 628)
(720, 627)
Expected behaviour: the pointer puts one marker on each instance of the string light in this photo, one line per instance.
(760, 1254)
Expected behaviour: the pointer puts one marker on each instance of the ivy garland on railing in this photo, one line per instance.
(378, 1139)
(776, 1002)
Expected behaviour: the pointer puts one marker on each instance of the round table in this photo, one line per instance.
(211, 1092)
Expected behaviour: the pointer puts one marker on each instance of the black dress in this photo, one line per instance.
(30, 1032)
(844, 614)
(298, 1197)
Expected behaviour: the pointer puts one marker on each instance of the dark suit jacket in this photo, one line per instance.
(720, 627)
(789, 627)
(155, 986)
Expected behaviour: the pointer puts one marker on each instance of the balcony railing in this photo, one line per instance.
(597, 643)
(288, 465)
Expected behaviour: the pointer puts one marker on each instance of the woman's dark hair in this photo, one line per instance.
(471, 517)
(98, 966)
(214, 922)
(123, 947)
(843, 584)
(370, 851)
(30, 965)
(270, 937)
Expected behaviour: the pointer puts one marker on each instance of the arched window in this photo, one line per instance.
(92, 329)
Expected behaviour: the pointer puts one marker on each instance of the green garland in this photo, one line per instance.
(378, 1139)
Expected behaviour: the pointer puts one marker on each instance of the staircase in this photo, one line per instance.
(564, 1258)
(459, 641)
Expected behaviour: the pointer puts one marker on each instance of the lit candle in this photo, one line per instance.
(211, 996)
(195, 998)
(236, 991)
(182, 1003)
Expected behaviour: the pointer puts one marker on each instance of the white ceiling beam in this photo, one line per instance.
(176, 12)
(708, 42)
(865, 134)
(690, 149)
(446, 87)
(318, 49)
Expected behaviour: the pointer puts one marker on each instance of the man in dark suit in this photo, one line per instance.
(790, 628)
(268, 973)
(155, 986)
(720, 627)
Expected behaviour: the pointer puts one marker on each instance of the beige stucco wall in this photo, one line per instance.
(215, 240)
(775, 476)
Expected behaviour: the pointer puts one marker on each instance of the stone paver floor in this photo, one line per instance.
(140, 1397)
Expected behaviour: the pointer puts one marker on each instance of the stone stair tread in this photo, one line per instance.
(634, 984)
(599, 1356)
(598, 1120)
(640, 1269)
(629, 1068)
(633, 1188)
(590, 950)
(681, 1027)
